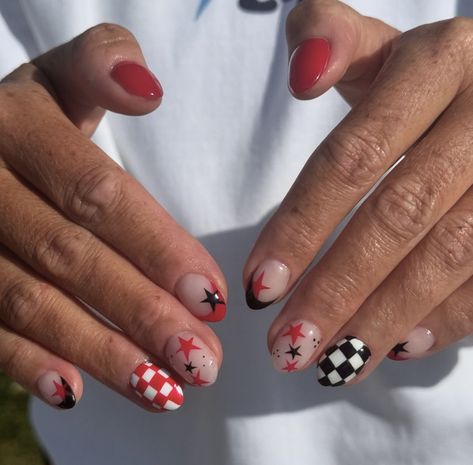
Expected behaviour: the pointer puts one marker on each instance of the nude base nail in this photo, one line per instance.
(191, 358)
(416, 344)
(56, 391)
(295, 346)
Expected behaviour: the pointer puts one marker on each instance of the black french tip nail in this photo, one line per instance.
(69, 397)
(252, 301)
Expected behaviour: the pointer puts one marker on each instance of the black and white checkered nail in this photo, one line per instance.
(343, 361)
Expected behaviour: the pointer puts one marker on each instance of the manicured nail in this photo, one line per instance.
(156, 386)
(201, 296)
(56, 391)
(307, 63)
(267, 284)
(137, 80)
(416, 344)
(192, 359)
(343, 361)
(295, 346)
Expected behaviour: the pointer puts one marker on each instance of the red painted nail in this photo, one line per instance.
(137, 80)
(308, 62)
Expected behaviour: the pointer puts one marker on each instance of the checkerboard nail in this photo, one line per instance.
(192, 359)
(295, 345)
(201, 297)
(343, 361)
(155, 386)
(267, 284)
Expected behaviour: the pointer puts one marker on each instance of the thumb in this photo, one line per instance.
(331, 44)
(103, 68)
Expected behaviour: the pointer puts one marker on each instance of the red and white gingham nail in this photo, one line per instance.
(155, 385)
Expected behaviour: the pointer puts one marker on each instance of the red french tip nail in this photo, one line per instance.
(137, 80)
(307, 64)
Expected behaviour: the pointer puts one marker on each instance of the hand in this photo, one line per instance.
(77, 229)
(400, 274)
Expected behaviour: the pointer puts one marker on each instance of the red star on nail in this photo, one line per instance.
(187, 346)
(294, 332)
(258, 285)
(60, 391)
(290, 366)
(198, 381)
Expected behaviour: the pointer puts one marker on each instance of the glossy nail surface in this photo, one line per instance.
(416, 344)
(343, 361)
(192, 359)
(202, 297)
(267, 284)
(137, 80)
(295, 346)
(56, 390)
(307, 64)
(156, 387)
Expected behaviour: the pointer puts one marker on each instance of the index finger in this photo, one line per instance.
(354, 157)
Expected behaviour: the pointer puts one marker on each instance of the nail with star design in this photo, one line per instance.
(202, 297)
(416, 344)
(295, 346)
(267, 284)
(56, 391)
(191, 358)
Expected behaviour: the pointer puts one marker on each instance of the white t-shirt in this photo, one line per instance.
(219, 154)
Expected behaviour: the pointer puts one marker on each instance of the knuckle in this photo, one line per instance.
(102, 35)
(94, 195)
(109, 345)
(452, 239)
(150, 314)
(62, 250)
(20, 350)
(22, 302)
(404, 210)
(336, 296)
(357, 156)
(300, 235)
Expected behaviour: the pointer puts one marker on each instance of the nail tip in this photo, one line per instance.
(254, 303)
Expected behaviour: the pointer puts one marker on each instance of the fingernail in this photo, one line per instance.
(56, 390)
(307, 64)
(192, 359)
(137, 80)
(202, 297)
(343, 361)
(267, 284)
(155, 386)
(415, 345)
(295, 346)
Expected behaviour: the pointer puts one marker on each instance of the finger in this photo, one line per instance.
(330, 44)
(39, 371)
(96, 193)
(387, 227)
(72, 258)
(438, 266)
(447, 324)
(358, 152)
(101, 69)
(41, 313)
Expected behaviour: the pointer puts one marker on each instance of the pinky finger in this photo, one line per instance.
(42, 373)
(447, 324)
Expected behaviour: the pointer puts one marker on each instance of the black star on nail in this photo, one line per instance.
(189, 367)
(212, 298)
(293, 351)
(400, 348)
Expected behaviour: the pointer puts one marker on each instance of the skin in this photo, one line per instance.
(76, 225)
(406, 256)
